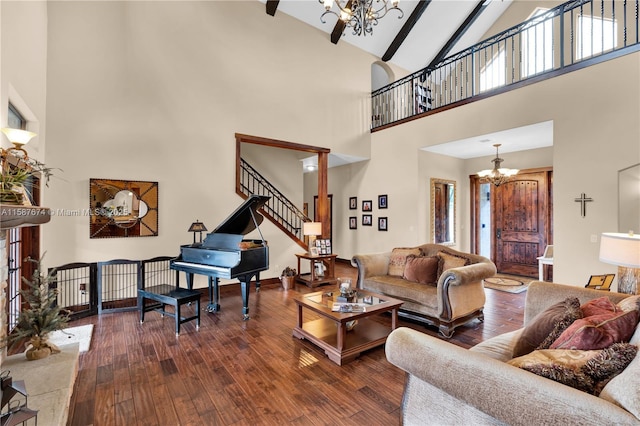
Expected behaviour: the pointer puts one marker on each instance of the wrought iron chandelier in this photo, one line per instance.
(360, 15)
(498, 175)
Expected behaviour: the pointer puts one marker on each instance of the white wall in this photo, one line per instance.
(23, 75)
(596, 132)
(156, 91)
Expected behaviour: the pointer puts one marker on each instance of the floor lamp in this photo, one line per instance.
(623, 250)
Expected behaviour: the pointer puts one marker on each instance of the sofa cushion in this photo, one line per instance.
(405, 290)
(499, 347)
(588, 370)
(423, 269)
(450, 260)
(398, 259)
(550, 322)
(598, 331)
(619, 390)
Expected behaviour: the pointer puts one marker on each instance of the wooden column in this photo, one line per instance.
(323, 199)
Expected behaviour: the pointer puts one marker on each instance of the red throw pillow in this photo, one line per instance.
(423, 270)
(598, 331)
(601, 305)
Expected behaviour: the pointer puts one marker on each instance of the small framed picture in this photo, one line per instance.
(366, 220)
(353, 203)
(368, 300)
(324, 246)
(382, 224)
(314, 251)
(353, 222)
(367, 205)
(382, 201)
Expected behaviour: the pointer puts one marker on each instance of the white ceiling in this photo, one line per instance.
(437, 24)
(534, 136)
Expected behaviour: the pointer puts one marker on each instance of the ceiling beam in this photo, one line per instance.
(475, 13)
(272, 5)
(339, 28)
(406, 28)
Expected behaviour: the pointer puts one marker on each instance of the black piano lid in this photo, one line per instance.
(241, 221)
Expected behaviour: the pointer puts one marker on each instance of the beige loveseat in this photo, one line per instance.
(447, 298)
(447, 384)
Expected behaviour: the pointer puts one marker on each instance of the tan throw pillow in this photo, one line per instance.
(449, 260)
(423, 270)
(631, 303)
(399, 258)
(588, 371)
(550, 322)
(598, 331)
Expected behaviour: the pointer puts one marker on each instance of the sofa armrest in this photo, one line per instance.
(504, 392)
(541, 295)
(371, 265)
(460, 290)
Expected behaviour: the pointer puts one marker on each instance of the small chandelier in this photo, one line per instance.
(362, 16)
(497, 175)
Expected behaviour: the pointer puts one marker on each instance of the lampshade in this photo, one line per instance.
(197, 227)
(620, 249)
(312, 228)
(17, 137)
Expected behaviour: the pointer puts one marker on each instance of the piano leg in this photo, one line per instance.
(245, 284)
(214, 295)
(258, 282)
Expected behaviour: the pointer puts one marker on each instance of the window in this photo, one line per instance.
(595, 36)
(15, 119)
(537, 45)
(494, 72)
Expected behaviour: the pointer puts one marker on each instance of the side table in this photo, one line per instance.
(311, 280)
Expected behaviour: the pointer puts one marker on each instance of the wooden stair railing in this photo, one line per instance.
(279, 209)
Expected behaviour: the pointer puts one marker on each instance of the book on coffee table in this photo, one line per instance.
(348, 307)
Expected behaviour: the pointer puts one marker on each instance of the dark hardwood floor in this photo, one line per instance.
(234, 372)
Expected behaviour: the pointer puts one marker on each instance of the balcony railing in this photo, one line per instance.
(556, 40)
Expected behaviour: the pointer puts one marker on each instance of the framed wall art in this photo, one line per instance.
(353, 203)
(367, 205)
(366, 220)
(122, 208)
(353, 222)
(382, 201)
(382, 224)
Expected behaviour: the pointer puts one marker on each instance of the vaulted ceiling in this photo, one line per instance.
(429, 30)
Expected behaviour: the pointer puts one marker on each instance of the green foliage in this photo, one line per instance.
(40, 314)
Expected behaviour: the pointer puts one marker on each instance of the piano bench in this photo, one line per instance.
(166, 294)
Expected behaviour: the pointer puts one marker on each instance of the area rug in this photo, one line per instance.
(508, 283)
(81, 335)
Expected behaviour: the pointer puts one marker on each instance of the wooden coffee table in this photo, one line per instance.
(330, 331)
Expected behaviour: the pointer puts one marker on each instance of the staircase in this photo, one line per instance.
(279, 209)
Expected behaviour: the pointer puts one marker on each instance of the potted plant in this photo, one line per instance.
(14, 179)
(288, 277)
(40, 315)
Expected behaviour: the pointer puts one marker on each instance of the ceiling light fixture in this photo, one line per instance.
(361, 15)
(498, 175)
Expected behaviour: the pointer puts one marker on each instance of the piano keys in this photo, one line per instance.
(225, 254)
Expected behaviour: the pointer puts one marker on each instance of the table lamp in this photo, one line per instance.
(197, 226)
(312, 230)
(623, 250)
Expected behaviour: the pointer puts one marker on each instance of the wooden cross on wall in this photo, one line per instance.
(583, 200)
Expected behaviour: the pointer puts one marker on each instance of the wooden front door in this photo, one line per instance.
(522, 223)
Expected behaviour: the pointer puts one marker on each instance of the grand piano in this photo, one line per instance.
(225, 254)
